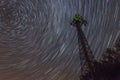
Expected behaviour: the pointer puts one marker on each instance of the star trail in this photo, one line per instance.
(37, 41)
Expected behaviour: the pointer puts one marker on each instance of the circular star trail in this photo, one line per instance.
(37, 41)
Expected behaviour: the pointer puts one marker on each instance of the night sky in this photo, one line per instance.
(37, 41)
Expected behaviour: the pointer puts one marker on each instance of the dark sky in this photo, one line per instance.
(37, 41)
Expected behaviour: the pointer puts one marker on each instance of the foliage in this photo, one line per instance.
(78, 20)
(108, 68)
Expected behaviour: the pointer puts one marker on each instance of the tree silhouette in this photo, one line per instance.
(86, 55)
(108, 68)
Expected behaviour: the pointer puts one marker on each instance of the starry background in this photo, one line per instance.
(37, 41)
